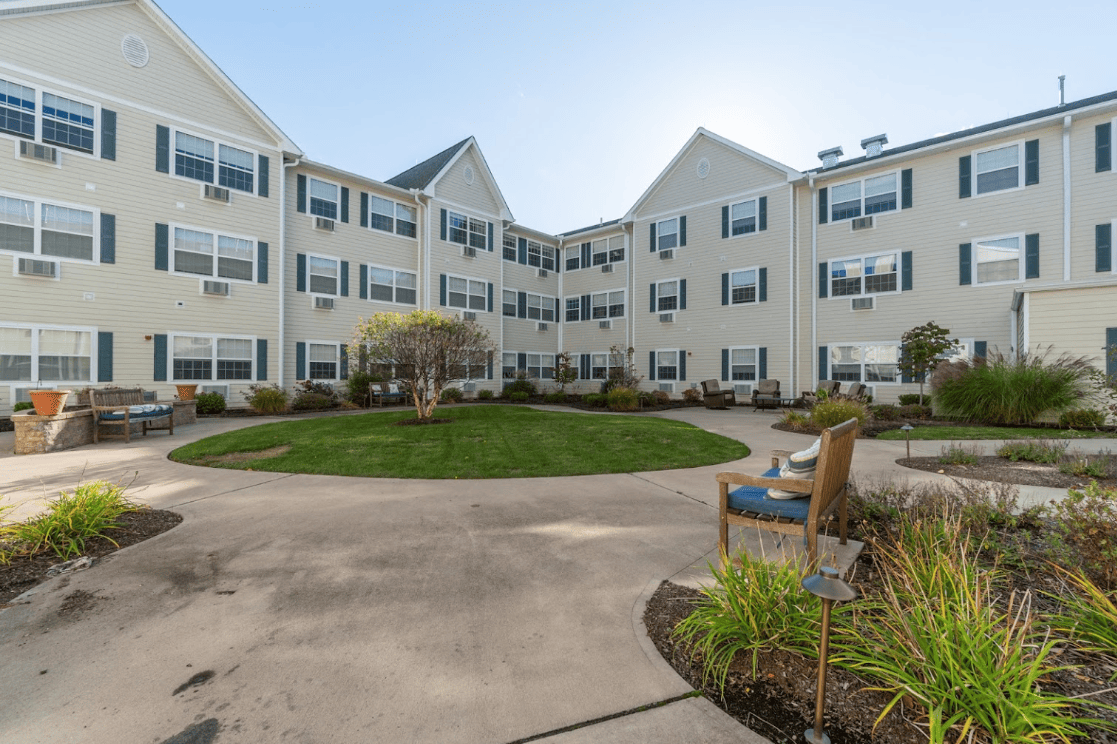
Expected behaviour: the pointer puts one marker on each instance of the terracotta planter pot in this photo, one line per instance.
(187, 392)
(48, 402)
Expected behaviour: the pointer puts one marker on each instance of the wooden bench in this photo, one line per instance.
(124, 407)
(379, 392)
(747, 506)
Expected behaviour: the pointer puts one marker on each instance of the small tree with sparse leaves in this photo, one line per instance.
(923, 347)
(622, 366)
(424, 350)
(564, 371)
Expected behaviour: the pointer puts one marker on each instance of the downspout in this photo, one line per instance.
(791, 281)
(283, 267)
(1066, 198)
(560, 304)
(424, 239)
(630, 340)
(814, 284)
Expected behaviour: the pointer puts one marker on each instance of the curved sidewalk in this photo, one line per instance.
(347, 609)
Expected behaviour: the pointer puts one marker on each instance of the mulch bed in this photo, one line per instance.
(1021, 473)
(24, 573)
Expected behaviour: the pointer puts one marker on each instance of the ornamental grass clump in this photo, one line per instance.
(834, 411)
(1088, 617)
(1040, 451)
(623, 399)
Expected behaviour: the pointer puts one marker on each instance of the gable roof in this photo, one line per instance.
(702, 133)
(27, 7)
(420, 176)
(599, 226)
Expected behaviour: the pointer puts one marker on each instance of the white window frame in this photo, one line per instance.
(542, 308)
(541, 366)
(566, 308)
(540, 255)
(659, 295)
(395, 286)
(861, 198)
(862, 259)
(1019, 145)
(469, 220)
(675, 376)
(396, 205)
(484, 297)
(37, 227)
(309, 198)
(38, 136)
(755, 285)
(35, 381)
(217, 143)
(1020, 260)
(756, 217)
(504, 302)
(337, 278)
(963, 350)
(337, 360)
(659, 234)
(862, 376)
(214, 338)
(609, 365)
(609, 305)
(508, 241)
(573, 254)
(755, 364)
(255, 261)
(504, 367)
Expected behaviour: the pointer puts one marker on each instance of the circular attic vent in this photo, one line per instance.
(469, 174)
(134, 50)
(703, 168)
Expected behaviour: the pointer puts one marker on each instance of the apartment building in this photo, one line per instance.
(162, 229)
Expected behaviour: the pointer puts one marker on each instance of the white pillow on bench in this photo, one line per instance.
(800, 466)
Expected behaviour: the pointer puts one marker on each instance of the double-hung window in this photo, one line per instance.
(211, 358)
(742, 218)
(607, 250)
(865, 362)
(863, 275)
(667, 296)
(667, 365)
(508, 247)
(211, 254)
(465, 230)
(323, 198)
(607, 305)
(45, 229)
(17, 109)
(540, 307)
(508, 365)
(742, 364)
(62, 121)
(997, 169)
(573, 257)
(667, 234)
(323, 275)
(540, 366)
(322, 361)
(391, 285)
(542, 256)
(508, 304)
(393, 217)
(866, 196)
(600, 366)
(573, 309)
(466, 294)
(41, 354)
(997, 259)
(742, 287)
(198, 158)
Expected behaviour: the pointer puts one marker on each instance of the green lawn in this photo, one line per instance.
(991, 432)
(482, 442)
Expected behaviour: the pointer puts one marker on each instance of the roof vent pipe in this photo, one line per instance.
(1062, 91)
(874, 146)
(830, 157)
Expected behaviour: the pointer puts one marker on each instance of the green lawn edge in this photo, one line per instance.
(482, 442)
(934, 433)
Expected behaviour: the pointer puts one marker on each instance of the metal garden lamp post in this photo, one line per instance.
(828, 585)
(907, 429)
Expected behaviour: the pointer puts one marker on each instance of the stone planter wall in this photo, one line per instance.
(74, 428)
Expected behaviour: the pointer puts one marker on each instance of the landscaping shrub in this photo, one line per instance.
(595, 400)
(643, 398)
(267, 398)
(210, 403)
(885, 412)
(797, 420)
(1010, 391)
(1089, 616)
(1085, 533)
(555, 398)
(959, 455)
(452, 395)
(22, 406)
(1082, 418)
(312, 395)
(692, 396)
(518, 396)
(832, 412)
(912, 399)
(357, 386)
(1038, 450)
(622, 399)
(522, 384)
(610, 383)
(1082, 467)
(662, 397)
(485, 395)
(916, 412)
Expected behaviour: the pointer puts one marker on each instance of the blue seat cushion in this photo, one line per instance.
(135, 413)
(752, 498)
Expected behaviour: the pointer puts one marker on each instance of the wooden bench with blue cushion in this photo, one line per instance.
(124, 407)
(749, 505)
(379, 392)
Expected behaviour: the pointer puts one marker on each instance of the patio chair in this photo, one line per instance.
(830, 387)
(714, 397)
(766, 394)
(857, 392)
(747, 505)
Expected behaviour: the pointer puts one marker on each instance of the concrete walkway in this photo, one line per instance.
(331, 609)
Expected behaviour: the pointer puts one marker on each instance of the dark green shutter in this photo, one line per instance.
(585, 305)
(651, 365)
(264, 177)
(108, 238)
(725, 365)
(1031, 256)
(490, 298)
(489, 374)
(762, 292)
(651, 307)
(104, 356)
(160, 369)
(725, 289)
(491, 240)
(300, 195)
(725, 221)
(682, 365)
(521, 361)
(763, 213)
(964, 274)
(262, 263)
(344, 204)
(682, 294)
(521, 304)
(300, 272)
(1031, 162)
(162, 149)
(584, 366)
(586, 257)
(905, 188)
(822, 362)
(682, 231)
(162, 247)
(651, 231)
(823, 207)
(964, 177)
(343, 372)
(1103, 136)
(1111, 352)
(261, 359)
(300, 360)
(521, 251)
(823, 280)
(762, 353)
(442, 223)
(364, 209)
(979, 349)
(1103, 247)
(362, 292)
(344, 279)
(108, 134)
(442, 290)
(905, 271)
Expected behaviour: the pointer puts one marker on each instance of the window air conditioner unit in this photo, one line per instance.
(669, 253)
(469, 387)
(321, 223)
(742, 389)
(222, 390)
(607, 268)
(469, 251)
(861, 223)
(541, 326)
(211, 287)
(468, 315)
(861, 303)
(215, 193)
(42, 153)
(542, 273)
(37, 267)
(324, 303)
(667, 387)
(667, 317)
(606, 324)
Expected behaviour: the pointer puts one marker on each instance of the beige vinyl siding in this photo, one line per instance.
(1092, 196)
(1057, 318)
(477, 196)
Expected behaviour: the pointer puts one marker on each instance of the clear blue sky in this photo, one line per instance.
(579, 106)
